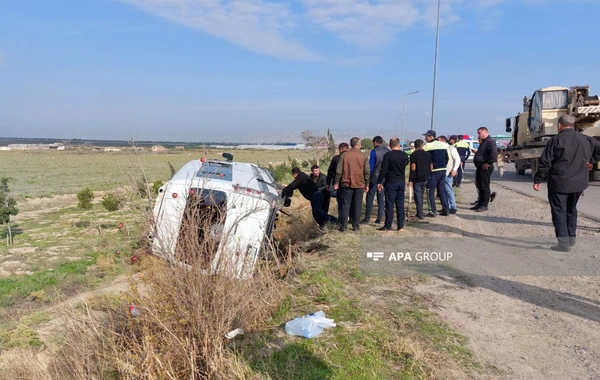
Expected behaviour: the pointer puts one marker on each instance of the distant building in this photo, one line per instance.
(26, 147)
(158, 148)
(179, 147)
(112, 149)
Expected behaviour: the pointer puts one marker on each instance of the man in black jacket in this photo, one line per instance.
(320, 180)
(484, 159)
(393, 167)
(309, 190)
(342, 148)
(566, 162)
(420, 169)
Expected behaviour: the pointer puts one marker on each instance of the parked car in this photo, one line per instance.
(229, 207)
(473, 145)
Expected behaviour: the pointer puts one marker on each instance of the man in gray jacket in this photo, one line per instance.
(375, 160)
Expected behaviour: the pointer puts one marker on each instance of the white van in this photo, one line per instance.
(473, 146)
(236, 204)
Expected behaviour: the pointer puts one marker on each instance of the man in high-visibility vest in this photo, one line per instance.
(440, 155)
(464, 152)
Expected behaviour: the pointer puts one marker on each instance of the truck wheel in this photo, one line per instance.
(534, 167)
(520, 171)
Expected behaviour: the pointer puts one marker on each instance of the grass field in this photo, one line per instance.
(48, 173)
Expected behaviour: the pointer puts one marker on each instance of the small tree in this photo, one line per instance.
(317, 143)
(85, 197)
(8, 207)
(111, 202)
(331, 147)
(366, 143)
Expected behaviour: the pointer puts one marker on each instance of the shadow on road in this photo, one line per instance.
(546, 298)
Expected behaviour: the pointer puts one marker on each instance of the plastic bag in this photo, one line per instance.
(309, 325)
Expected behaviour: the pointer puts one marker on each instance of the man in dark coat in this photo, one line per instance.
(320, 180)
(484, 159)
(309, 190)
(566, 162)
(342, 148)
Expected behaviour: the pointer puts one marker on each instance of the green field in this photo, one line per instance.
(48, 173)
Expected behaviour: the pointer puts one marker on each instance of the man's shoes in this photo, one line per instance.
(482, 209)
(399, 229)
(323, 228)
(571, 242)
(492, 196)
(453, 211)
(561, 248)
(378, 221)
(384, 228)
(444, 213)
(431, 215)
(419, 216)
(342, 229)
(474, 203)
(364, 221)
(476, 207)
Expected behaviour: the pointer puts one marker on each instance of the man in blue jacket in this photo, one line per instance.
(375, 160)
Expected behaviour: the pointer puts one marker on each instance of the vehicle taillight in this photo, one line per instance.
(175, 195)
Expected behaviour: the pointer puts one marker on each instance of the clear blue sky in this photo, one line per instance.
(252, 70)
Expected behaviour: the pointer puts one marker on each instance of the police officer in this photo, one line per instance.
(464, 152)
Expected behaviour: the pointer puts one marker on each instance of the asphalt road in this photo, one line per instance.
(588, 204)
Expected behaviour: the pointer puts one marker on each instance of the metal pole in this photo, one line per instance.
(437, 41)
(403, 103)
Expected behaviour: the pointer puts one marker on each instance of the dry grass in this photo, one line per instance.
(184, 315)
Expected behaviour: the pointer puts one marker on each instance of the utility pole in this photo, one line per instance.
(403, 103)
(437, 41)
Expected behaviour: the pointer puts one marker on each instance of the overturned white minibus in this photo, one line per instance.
(217, 214)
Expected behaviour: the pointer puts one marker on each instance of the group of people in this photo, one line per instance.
(435, 164)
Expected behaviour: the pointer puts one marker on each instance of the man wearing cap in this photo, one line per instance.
(440, 155)
(462, 148)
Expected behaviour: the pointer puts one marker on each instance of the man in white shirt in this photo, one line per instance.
(451, 171)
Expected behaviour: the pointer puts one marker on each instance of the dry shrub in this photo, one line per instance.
(22, 364)
(185, 311)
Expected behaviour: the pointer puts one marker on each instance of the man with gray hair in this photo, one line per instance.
(566, 161)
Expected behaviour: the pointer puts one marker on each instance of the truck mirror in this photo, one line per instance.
(508, 128)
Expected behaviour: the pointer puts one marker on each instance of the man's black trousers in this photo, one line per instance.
(351, 201)
(482, 181)
(564, 214)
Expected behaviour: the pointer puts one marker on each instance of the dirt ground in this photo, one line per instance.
(525, 327)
